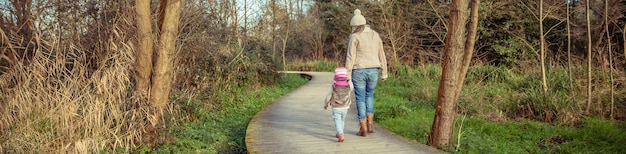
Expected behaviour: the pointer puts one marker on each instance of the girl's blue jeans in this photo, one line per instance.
(364, 81)
(339, 116)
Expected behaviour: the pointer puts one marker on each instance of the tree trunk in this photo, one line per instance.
(24, 25)
(288, 29)
(162, 76)
(588, 58)
(469, 46)
(542, 38)
(24, 21)
(245, 22)
(443, 122)
(145, 47)
(273, 7)
(569, 53)
(608, 37)
(161, 15)
(234, 17)
(2, 26)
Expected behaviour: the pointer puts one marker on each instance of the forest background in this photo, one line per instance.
(68, 68)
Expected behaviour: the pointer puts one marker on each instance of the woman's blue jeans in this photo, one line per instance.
(364, 81)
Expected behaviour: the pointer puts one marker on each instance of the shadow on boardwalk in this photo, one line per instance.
(297, 123)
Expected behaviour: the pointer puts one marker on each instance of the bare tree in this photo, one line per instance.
(287, 30)
(162, 75)
(432, 36)
(610, 51)
(395, 27)
(454, 49)
(154, 77)
(588, 57)
(145, 47)
(23, 25)
(314, 41)
(569, 52)
(245, 21)
(24, 19)
(469, 46)
(273, 7)
(234, 18)
(544, 83)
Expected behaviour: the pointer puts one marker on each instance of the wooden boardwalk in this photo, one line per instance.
(297, 123)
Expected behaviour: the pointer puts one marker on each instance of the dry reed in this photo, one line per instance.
(56, 103)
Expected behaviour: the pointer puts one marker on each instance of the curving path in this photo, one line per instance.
(297, 123)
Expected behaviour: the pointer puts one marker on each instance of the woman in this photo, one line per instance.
(364, 60)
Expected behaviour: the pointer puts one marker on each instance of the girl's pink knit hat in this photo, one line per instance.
(341, 76)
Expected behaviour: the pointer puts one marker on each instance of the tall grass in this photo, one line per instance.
(58, 104)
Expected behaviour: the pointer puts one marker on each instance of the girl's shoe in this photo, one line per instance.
(340, 137)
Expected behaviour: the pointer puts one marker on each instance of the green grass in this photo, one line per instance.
(222, 129)
(492, 113)
(593, 136)
(405, 105)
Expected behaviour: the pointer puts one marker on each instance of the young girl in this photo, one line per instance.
(339, 99)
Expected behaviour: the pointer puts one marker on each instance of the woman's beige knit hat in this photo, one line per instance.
(357, 19)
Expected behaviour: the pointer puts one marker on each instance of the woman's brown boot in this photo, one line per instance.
(370, 122)
(362, 130)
